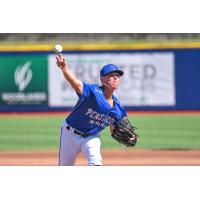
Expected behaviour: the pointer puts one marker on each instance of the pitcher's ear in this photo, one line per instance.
(101, 79)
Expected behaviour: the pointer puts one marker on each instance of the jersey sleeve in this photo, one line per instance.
(122, 115)
(85, 93)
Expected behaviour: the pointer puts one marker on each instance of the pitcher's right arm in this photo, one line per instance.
(69, 76)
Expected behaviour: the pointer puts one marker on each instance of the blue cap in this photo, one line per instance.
(107, 69)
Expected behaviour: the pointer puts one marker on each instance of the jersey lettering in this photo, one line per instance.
(99, 119)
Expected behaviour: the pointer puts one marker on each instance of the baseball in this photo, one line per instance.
(58, 49)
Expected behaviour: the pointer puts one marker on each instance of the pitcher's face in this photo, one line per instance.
(111, 80)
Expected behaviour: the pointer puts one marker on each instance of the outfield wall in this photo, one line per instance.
(161, 77)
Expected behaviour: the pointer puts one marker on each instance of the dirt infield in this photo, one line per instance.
(124, 157)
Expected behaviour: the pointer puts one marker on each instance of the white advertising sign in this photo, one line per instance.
(148, 80)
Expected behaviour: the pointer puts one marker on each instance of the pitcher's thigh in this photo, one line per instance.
(68, 151)
(91, 148)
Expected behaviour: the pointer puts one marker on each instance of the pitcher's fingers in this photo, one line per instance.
(57, 58)
(59, 55)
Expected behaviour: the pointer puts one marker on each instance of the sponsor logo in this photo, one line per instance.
(23, 76)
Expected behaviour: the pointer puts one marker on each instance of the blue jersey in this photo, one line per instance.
(93, 113)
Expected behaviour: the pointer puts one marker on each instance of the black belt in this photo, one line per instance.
(78, 132)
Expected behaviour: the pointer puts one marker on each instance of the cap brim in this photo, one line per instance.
(118, 71)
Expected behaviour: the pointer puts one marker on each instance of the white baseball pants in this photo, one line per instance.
(71, 145)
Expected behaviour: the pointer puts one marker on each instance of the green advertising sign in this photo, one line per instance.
(23, 79)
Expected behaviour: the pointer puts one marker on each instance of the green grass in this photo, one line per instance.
(29, 133)
(155, 132)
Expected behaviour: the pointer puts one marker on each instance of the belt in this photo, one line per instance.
(77, 132)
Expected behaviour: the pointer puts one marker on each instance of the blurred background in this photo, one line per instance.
(96, 37)
(161, 70)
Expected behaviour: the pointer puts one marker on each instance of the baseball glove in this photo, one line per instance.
(124, 133)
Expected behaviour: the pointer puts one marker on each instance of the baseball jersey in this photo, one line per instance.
(93, 113)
